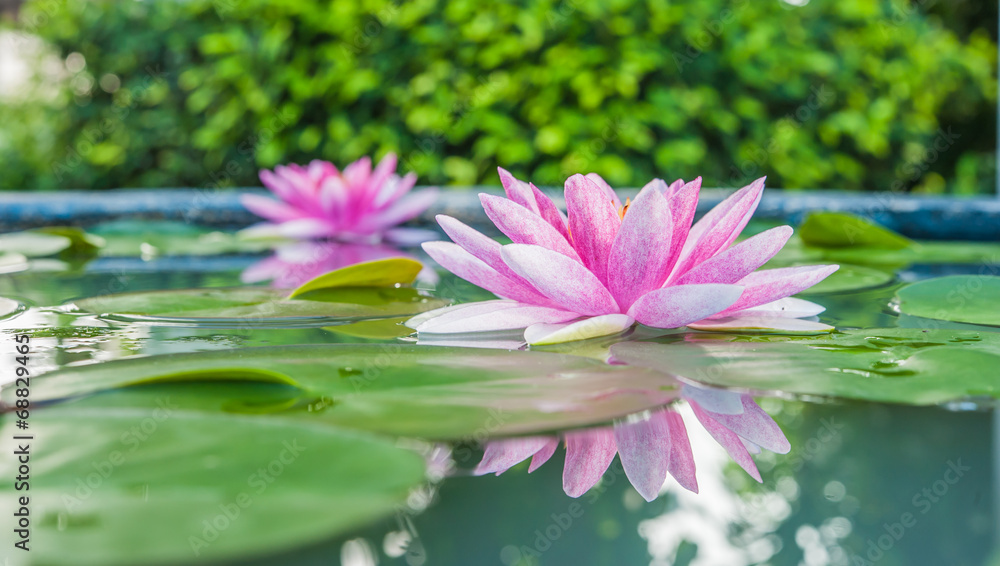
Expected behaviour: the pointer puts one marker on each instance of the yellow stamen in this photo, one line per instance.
(624, 208)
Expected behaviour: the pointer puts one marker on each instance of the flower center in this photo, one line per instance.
(624, 208)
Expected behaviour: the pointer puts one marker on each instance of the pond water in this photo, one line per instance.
(864, 483)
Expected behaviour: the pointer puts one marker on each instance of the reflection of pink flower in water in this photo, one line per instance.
(294, 264)
(650, 446)
(605, 265)
(358, 204)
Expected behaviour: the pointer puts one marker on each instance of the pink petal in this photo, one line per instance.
(333, 197)
(593, 223)
(600, 182)
(637, 262)
(518, 191)
(674, 187)
(523, 226)
(719, 228)
(673, 307)
(501, 455)
(305, 228)
(282, 187)
(393, 189)
(603, 325)
(714, 400)
(683, 202)
(565, 281)
(382, 173)
(465, 265)
(772, 284)
(756, 426)
(588, 455)
(550, 212)
(269, 208)
(644, 448)
(789, 307)
(740, 260)
(481, 246)
(729, 440)
(681, 465)
(543, 455)
(492, 316)
(400, 211)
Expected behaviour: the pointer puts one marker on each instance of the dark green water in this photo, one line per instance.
(864, 483)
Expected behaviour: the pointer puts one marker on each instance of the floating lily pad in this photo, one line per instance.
(379, 273)
(139, 486)
(152, 237)
(973, 299)
(9, 307)
(252, 306)
(841, 230)
(399, 389)
(895, 365)
(851, 278)
(33, 244)
(12, 262)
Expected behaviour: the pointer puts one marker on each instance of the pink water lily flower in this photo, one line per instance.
(650, 446)
(605, 265)
(358, 204)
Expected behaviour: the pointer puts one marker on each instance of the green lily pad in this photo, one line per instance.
(851, 278)
(379, 273)
(151, 238)
(12, 262)
(893, 365)
(973, 299)
(260, 305)
(841, 230)
(9, 307)
(405, 390)
(125, 486)
(33, 244)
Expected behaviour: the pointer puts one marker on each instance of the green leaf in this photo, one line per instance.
(260, 305)
(9, 307)
(33, 244)
(379, 273)
(407, 390)
(144, 237)
(119, 485)
(973, 299)
(894, 365)
(851, 278)
(80, 242)
(840, 230)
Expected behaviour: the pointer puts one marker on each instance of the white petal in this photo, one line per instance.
(540, 334)
(789, 307)
(714, 400)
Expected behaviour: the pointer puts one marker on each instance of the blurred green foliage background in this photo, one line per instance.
(847, 94)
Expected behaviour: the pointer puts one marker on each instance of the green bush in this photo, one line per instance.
(852, 94)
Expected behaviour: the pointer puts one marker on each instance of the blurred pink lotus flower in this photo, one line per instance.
(358, 204)
(650, 446)
(605, 265)
(294, 264)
